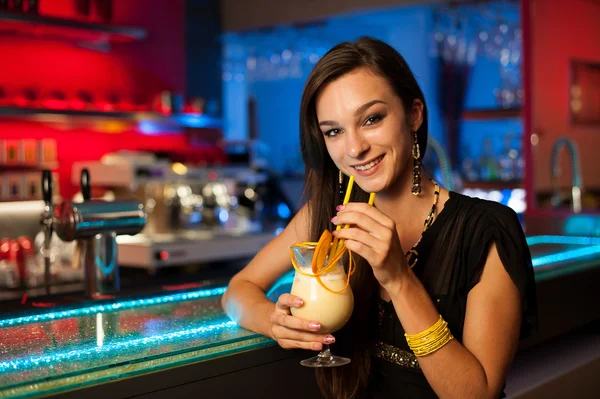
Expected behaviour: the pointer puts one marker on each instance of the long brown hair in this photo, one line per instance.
(322, 193)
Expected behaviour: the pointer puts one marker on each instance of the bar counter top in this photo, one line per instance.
(67, 348)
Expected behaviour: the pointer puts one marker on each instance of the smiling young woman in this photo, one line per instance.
(443, 284)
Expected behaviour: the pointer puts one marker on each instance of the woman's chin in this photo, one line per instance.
(371, 185)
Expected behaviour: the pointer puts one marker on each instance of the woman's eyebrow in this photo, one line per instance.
(358, 111)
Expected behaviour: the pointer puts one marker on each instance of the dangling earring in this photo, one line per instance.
(416, 153)
(341, 181)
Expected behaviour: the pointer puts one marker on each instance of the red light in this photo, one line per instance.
(78, 105)
(164, 255)
(212, 176)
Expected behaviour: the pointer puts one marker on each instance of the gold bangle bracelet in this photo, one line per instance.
(434, 349)
(426, 332)
(430, 340)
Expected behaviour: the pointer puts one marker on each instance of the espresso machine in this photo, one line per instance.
(94, 225)
(196, 213)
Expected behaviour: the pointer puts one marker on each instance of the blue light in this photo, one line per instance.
(197, 121)
(93, 352)
(566, 255)
(582, 224)
(564, 240)
(152, 127)
(283, 211)
(223, 215)
(108, 224)
(195, 217)
(112, 307)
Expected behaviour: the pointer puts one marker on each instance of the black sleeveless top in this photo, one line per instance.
(452, 255)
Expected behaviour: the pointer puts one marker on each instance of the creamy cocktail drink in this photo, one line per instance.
(324, 287)
(331, 309)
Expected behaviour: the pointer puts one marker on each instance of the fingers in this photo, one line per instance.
(291, 344)
(363, 250)
(283, 333)
(284, 319)
(365, 222)
(287, 301)
(370, 211)
(357, 219)
(360, 235)
(293, 332)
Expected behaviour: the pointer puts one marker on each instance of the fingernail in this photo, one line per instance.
(339, 208)
(334, 219)
(298, 301)
(329, 340)
(318, 347)
(314, 326)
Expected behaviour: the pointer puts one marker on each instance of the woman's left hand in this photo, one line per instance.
(373, 236)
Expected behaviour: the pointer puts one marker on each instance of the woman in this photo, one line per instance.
(427, 256)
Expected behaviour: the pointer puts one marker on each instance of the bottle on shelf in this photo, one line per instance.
(507, 161)
(470, 169)
(487, 162)
(9, 276)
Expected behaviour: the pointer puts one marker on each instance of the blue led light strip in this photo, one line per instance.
(287, 279)
(93, 352)
(565, 240)
(566, 255)
(112, 307)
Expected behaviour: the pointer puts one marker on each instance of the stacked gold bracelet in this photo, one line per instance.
(430, 340)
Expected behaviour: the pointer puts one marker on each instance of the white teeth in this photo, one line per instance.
(369, 165)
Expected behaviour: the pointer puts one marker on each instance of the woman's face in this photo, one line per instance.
(366, 130)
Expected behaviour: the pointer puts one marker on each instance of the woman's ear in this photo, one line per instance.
(416, 114)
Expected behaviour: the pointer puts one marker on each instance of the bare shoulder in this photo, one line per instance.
(274, 259)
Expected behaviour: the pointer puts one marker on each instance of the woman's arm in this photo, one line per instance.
(245, 300)
(477, 368)
(246, 303)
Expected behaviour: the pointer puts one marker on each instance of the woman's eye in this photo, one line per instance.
(373, 119)
(332, 132)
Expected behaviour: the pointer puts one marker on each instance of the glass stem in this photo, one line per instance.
(325, 354)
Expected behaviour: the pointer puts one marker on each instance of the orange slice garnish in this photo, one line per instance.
(321, 251)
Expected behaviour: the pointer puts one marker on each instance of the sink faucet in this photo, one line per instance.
(443, 160)
(564, 142)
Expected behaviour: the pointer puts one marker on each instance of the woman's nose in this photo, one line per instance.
(356, 145)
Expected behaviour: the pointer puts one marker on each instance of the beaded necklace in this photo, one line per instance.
(412, 255)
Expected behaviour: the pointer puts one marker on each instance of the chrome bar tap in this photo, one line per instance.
(47, 222)
(95, 225)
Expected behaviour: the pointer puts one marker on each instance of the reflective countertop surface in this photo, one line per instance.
(69, 347)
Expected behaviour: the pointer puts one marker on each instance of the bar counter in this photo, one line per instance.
(179, 342)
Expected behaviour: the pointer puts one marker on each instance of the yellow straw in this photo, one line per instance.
(371, 200)
(334, 245)
(347, 196)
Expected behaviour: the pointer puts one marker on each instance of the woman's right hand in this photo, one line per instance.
(292, 332)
